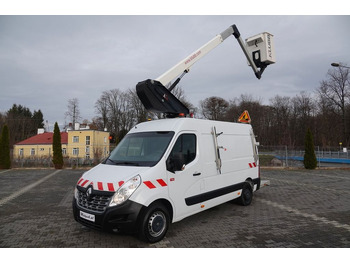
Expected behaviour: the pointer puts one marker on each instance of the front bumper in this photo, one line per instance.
(122, 217)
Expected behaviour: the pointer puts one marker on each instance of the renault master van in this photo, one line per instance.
(166, 170)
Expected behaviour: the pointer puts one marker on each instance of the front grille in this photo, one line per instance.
(97, 203)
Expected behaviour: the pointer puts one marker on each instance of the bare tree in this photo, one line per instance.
(127, 114)
(326, 121)
(73, 111)
(336, 90)
(281, 107)
(136, 104)
(214, 108)
(302, 112)
(119, 111)
(101, 107)
(113, 97)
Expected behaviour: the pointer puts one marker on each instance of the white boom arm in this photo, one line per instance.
(183, 66)
(156, 97)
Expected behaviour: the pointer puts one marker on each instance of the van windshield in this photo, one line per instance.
(140, 149)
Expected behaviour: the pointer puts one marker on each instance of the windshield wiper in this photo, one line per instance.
(108, 159)
(126, 163)
(115, 162)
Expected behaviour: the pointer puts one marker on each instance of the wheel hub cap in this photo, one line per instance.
(156, 224)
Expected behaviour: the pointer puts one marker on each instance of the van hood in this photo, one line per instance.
(109, 177)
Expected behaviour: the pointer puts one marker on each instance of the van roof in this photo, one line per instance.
(190, 124)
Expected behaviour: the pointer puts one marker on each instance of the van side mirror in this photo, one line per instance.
(176, 162)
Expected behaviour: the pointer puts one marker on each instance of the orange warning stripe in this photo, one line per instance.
(112, 187)
(151, 185)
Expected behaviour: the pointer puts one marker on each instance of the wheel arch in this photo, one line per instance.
(162, 201)
(251, 183)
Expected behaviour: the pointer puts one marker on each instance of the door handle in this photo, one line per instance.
(196, 174)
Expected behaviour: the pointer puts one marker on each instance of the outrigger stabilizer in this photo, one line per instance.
(259, 51)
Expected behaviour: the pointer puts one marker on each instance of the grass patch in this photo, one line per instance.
(265, 160)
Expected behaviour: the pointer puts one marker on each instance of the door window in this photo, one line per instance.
(186, 146)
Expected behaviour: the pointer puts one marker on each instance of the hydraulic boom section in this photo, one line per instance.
(259, 51)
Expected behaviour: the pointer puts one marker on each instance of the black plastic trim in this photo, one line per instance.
(217, 193)
(236, 33)
(122, 217)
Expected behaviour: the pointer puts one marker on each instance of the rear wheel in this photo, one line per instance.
(246, 197)
(154, 223)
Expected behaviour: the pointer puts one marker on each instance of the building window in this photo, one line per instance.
(105, 139)
(75, 151)
(87, 140)
(87, 152)
(21, 152)
(42, 149)
(64, 151)
(75, 139)
(32, 152)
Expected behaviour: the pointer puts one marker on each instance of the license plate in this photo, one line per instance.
(87, 216)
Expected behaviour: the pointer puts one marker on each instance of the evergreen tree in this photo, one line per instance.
(22, 123)
(38, 119)
(57, 148)
(5, 159)
(310, 161)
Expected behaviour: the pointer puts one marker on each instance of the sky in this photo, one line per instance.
(45, 60)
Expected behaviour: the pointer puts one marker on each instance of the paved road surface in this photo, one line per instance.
(299, 209)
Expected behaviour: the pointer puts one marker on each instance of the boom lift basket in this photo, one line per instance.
(261, 47)
(157, 98)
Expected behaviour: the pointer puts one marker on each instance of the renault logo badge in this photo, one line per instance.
(88, 193)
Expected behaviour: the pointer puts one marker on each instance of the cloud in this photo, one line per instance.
(47, 60)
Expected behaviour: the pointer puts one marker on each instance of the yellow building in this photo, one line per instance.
(83, 144)
(87, 144)
(38, 146)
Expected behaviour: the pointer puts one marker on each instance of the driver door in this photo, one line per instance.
(184, 175)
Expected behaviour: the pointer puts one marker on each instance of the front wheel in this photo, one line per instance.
(154, 223)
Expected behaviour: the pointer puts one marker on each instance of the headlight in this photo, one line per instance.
(125, 191)
(76, 194)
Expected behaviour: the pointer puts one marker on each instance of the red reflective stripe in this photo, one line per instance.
(149, 184)
(250, 165)
(110, 186)
(161, 182)
(254, 164)
(84, 182)
(81, 179)
(99, 186)
(120, 183)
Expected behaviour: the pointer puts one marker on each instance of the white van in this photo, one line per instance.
(166, 170)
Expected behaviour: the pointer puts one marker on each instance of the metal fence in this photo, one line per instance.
(46, 161)
(294, 156)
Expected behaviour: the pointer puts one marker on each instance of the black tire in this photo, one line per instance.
(154, 223)
(246, 197)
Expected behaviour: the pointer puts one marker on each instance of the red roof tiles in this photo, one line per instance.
(43, 139)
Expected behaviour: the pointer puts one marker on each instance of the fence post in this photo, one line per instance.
(319, 156)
